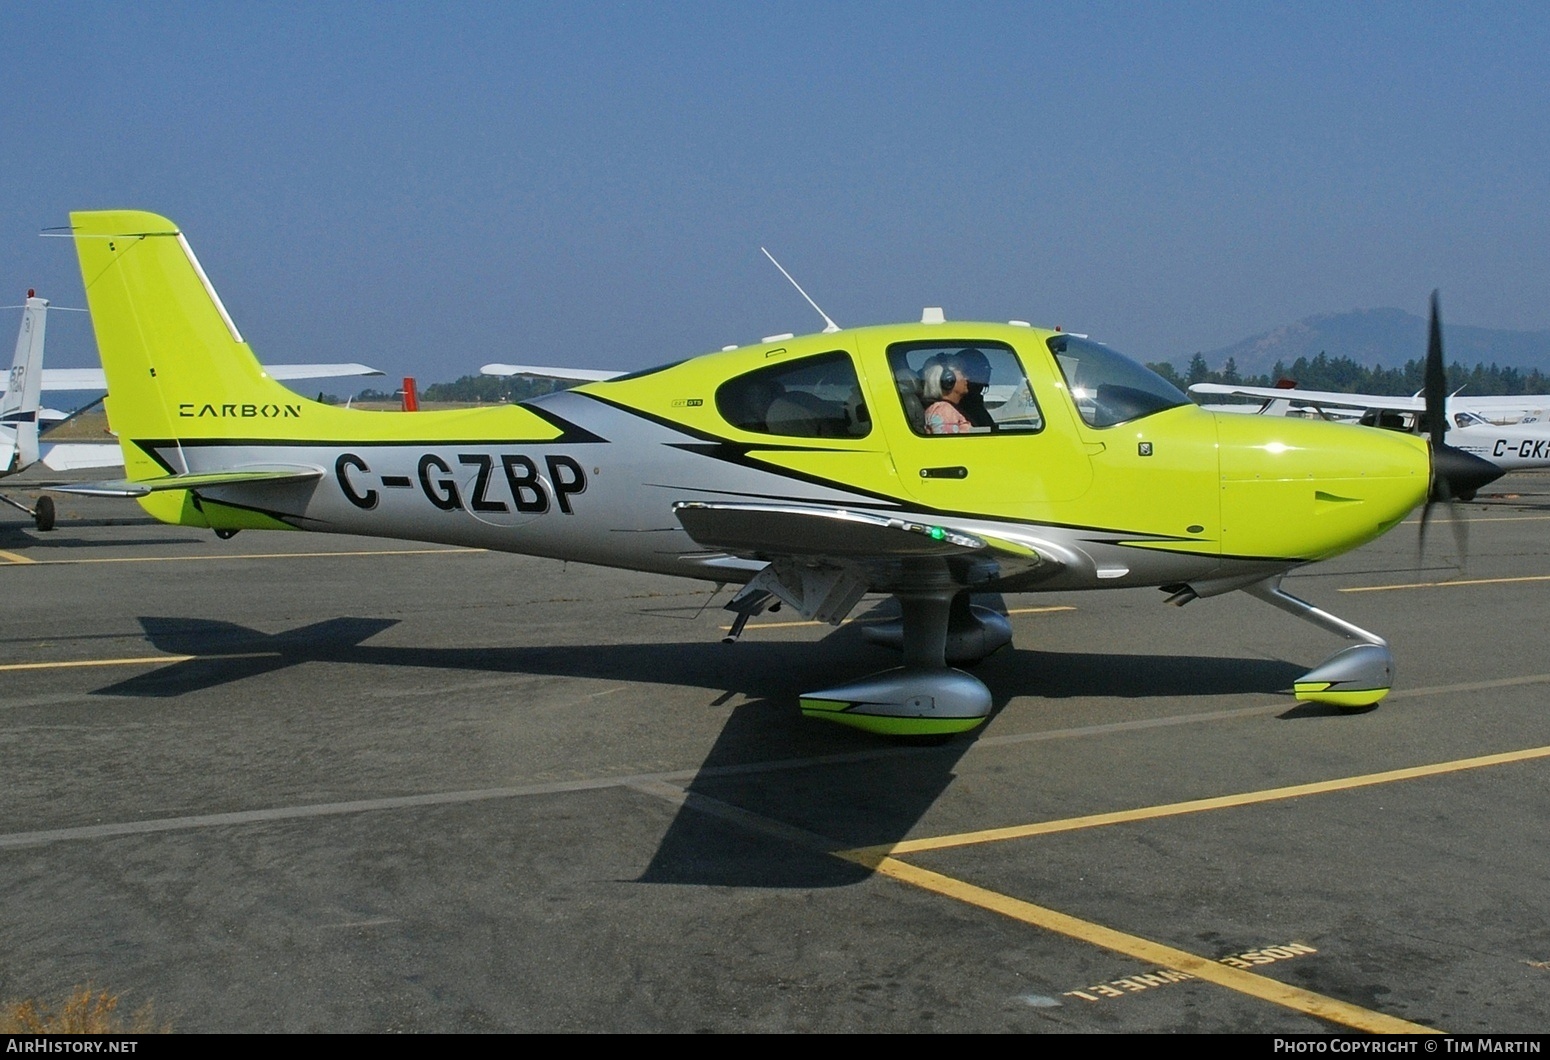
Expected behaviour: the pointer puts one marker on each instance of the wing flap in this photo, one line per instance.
(887, 552)
(787, 530)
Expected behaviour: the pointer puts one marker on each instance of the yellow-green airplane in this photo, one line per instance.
(927, 461)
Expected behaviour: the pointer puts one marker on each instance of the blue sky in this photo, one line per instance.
(431, 187)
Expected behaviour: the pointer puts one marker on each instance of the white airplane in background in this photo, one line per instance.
(23, 420)
(1501, 409)
(1515, 446)
(580, 375)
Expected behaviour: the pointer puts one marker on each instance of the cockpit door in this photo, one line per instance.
(1014, 452)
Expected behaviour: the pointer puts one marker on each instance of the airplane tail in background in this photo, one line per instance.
(24, 390)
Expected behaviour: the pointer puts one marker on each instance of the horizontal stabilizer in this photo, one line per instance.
(97, 379)
(268, 474)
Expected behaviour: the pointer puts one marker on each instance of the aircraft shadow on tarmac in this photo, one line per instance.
(18, 537)
(850, 787)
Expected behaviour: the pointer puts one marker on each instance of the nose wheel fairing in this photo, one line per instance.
(1354, 677)
(1358, 676)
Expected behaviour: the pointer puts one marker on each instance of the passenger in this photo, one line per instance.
(948, 385)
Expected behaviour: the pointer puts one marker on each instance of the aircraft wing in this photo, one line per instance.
(73, 379)
(1311, 397)
(585, 375)
(75, 456)
(1497, 405)
(888, 552)
(1502, 403)
(95, 379)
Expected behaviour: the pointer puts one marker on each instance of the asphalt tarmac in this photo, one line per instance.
(292, 782)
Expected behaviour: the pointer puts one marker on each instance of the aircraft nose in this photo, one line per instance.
(1303, 489)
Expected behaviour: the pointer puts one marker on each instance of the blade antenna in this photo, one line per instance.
(719, 586)
(829, 325)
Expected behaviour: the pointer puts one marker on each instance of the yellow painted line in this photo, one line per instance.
(884, 860)
(1148, 813)
(1447, 584)
(1259, 986)
(1483, 519)
(864, 621)
(1153, 953)
(137, 660)
(13, 557)
(253, 555)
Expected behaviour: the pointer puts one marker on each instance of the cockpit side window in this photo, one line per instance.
(963, 387)
(816, 397)
(1108, 387)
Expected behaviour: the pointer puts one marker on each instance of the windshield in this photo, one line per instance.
(1108, 387)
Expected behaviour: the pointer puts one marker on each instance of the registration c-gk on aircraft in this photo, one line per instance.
(800, 468)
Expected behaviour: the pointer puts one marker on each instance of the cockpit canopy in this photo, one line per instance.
(1108, 387)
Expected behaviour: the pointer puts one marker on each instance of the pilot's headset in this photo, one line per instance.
(940, 379)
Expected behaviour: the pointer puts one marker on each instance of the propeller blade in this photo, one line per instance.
(1454, 473)
(1435, 380)
(1420, 543)
(1460, 532)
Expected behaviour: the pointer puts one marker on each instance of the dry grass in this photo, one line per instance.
(85, 1011)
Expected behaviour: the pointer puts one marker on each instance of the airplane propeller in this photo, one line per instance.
(1456, 475)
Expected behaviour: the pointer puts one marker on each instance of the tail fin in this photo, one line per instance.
(176, 365)
(180, 375)
(23, 394)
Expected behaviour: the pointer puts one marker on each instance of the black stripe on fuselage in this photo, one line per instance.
(726, 450)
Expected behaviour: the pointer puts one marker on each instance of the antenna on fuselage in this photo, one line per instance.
(829, 325)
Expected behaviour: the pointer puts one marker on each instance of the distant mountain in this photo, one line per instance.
(1386, 337)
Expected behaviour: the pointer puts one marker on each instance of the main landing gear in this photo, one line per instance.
(925, 697)
(42, 514)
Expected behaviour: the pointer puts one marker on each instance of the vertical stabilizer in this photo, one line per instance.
(24, 388)
(176, 365)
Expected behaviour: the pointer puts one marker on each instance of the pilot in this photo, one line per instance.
(976, 367)
(948, 385)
